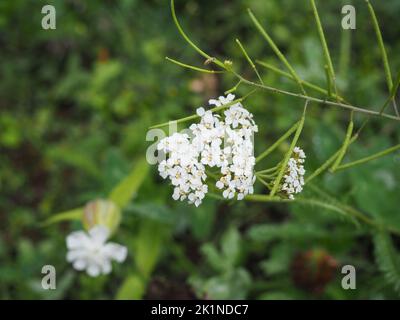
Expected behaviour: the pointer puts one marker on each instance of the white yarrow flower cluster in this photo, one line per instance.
(223, 143)
(183, 168)
(89, 251)
(294, 178)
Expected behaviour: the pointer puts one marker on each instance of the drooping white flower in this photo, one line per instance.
(293, 180)
(89, 251)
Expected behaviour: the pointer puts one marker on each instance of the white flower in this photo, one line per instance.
(221, 100)
(293, 181)
(223, 143)
(89, 251)
(183, 168)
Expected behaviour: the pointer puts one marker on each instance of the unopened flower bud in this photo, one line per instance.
(101, 212)
(228, 65)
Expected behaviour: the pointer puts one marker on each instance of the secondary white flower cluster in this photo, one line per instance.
(223, 143)
(89, 251)
(294, 178)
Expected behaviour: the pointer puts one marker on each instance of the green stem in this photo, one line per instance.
(289, 152)
(276, 50)
(328, 80)
(249, 60)
(305, 83)
(327, 163)
(234, 88)
(312, 99)
(345, 49)
(266, 184)
(345, 145)
(386, 67)
(265, 198)
(195, 116)
(278, 142)
(192, 67)
(341, 209)
(195, 47)
(391, 96)
(273, 169)
(266, 176)
(327, 56)
(369, 158)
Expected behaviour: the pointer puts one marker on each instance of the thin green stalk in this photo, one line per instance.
(289, 152)
(195, 47)
(193, 67)
(327, 163)
(234, 88)
(266, 176)
(369, 158)
(266, 184)
(328, 80)
(391, 96)
(268, 170)
(339, 208)
(276, 50)
(195, 116)
(325, 48)
(386, 67)
(345, 145)
(345, 50)
(265, 198)
(392, 93)
(278, 142)
(305, 83)
(249, 60)
(312, 99)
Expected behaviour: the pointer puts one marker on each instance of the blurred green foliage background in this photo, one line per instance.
(75, 106)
